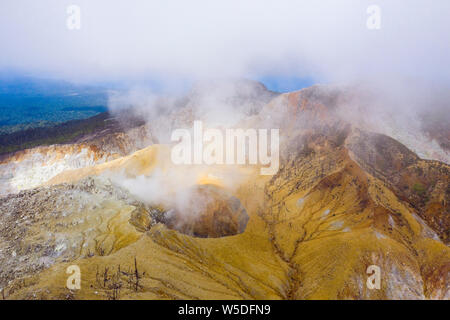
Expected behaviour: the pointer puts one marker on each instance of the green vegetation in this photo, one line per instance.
(25, 126)
(419, 188)
(62, 133)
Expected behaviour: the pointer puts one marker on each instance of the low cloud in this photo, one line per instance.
(198, 39)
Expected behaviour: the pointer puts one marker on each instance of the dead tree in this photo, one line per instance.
(136, 274)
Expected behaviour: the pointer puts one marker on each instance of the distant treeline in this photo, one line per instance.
(95, 108)
(61, 133)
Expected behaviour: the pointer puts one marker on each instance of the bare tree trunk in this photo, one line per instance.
(136, 273)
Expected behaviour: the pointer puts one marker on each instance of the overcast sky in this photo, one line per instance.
(327, 41)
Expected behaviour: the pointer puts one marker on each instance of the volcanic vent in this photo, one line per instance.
(211, 212)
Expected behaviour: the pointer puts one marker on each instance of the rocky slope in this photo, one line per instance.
(29, 168)
(343, 199)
